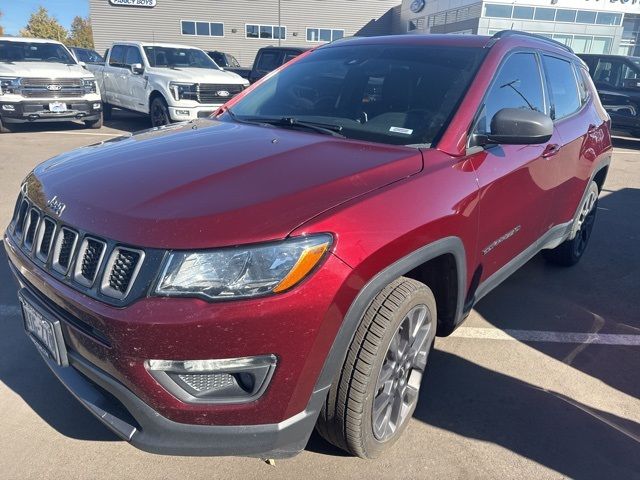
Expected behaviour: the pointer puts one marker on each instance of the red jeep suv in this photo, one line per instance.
(221, 287)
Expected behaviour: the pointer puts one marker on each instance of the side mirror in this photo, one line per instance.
(82, 64)
(517, 126)
(137, 69)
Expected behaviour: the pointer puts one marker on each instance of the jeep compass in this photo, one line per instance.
(222, 287)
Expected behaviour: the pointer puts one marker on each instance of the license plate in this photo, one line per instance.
(57, 107)
(46, 333)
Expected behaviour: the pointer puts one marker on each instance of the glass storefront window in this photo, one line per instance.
(586, 17)
(545, 14)
(525, 13)
(565, 15)
(566, 39)
(607, 18)
(581, 43)
(498, 11)
(601, 45)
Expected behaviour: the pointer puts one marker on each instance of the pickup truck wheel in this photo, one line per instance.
(570, 251)
(95, 124)
(371, 402)
(159, 112)
(4, 128)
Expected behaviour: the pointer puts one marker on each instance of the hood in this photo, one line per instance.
(43, 70)
(198, 75)
(212, 184)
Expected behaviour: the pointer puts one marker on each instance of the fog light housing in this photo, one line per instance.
(97, 106)
(8, 108)
(233, 380)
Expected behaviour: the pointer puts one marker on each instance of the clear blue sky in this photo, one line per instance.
(17, 12)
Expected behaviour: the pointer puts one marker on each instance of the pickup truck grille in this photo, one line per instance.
(83, 260)
(217, 93)
(52, 87)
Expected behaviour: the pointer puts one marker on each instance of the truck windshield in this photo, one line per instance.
(397, 94)
(166, 57)
(11, 52)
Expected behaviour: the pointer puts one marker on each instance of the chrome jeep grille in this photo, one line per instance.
(213, 93)
(81, 259)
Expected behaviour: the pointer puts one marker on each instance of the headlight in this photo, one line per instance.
(9, 85)
(242, 272)
(184, 91)
(90, 86)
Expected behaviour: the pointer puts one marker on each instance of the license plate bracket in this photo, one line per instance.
(44, 330)
(57, 107)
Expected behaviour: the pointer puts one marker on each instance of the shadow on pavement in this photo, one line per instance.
(478, 403)
(23, 371)
(626, 142)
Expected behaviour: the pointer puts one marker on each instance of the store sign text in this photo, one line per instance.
(134, 3)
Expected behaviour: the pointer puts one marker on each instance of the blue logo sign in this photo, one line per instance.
(417, 5)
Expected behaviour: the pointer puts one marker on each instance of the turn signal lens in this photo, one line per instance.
(307, 261)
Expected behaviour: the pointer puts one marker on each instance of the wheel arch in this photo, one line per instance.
(420, 265)
(156, 94)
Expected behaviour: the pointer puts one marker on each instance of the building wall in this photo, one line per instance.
(162, 23)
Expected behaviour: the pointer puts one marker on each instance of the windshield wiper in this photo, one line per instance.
(326, 128)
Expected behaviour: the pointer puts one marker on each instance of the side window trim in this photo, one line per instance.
(546, 74)
(496, 75)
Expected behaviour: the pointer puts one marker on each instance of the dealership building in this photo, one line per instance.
(587, 26)
(240, 27)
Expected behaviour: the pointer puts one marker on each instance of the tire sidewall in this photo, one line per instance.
(162, 103)
(372, 446)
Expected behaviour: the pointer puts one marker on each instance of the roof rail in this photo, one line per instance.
(511, 33)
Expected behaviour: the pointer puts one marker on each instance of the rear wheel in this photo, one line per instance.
(570, 251)
(159, 112)
(370, 405)
(95, 124)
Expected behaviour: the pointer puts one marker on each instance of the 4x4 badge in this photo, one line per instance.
(56, 206)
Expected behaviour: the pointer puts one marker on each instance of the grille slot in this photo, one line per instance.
(30, 228)
(21, 217)
(89, 259)
(63, 250)
(208, 92)
(45, 238)
(122, 269)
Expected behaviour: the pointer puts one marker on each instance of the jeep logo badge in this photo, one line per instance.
(223, 93)
(56, 206)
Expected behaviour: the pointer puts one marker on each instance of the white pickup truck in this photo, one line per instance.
(168, 82)
(41, 81)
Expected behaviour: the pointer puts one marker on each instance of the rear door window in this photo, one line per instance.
(269, 60)
(117, 56)
(517, 85)
(133, 56)
(563, 89)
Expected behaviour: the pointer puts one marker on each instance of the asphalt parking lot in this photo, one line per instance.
(542, 381)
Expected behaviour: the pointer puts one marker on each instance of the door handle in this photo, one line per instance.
(551, 150)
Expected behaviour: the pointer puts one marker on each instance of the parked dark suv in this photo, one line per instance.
(269, 58)
(617, 79)
(221, 287)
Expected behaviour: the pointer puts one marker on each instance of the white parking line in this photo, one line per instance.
(546, 336)
(86, 133)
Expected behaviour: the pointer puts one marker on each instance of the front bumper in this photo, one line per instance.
(108, 348)
(38, 110)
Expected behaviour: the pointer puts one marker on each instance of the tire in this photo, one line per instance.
(571, 250)
(4, 128)
(107, 111)
(159, 112)
(372, 377)
(95, 124)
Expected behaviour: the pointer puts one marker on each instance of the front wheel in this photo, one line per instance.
(159, 112)
(571, 250)
(371, 404)
(94, 124)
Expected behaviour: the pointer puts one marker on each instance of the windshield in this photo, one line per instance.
(88, 56)
(401, 95)
(166, 57)
(34, 52)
